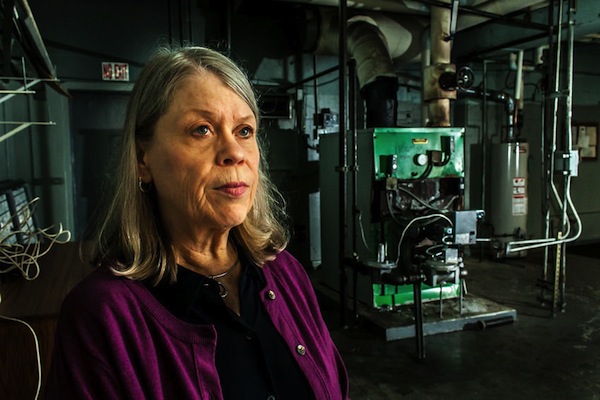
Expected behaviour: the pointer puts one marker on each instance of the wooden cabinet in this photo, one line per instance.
(36, 302)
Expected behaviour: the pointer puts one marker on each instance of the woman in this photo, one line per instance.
(195, 296)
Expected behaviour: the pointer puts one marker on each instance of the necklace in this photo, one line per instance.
(223, 289)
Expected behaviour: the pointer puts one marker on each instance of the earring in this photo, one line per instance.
(144, 187)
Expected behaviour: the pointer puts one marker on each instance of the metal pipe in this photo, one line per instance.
(441, 46)
(497, 11)
(425, 62)
(315, 95)
(484, 137)
(500, 97)
(180, 20)
(519, 94)
(418, 314)
(314, 77)
(554, 128)
(229, 24)
(354, 170)
(546, 147)
(568, 140)
(170, 19)
(343, 154)
(190, 22)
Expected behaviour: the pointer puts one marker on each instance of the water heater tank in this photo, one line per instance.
(508, 190)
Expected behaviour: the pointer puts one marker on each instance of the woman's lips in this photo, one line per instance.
(235, 189)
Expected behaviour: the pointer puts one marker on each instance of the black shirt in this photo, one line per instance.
(252, 359)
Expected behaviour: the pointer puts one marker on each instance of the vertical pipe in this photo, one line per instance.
(519, 77)
(545, 198)
(354, 169)
(229, 23)
(418, 302)
(568, 140)
(484, 136)
(425, 62)
(180, 17)
(316, 98)
(30, 130)
(190, 22)
(170, 19)
(546, 149)
(517, 114)
(554, 125)
(343, 155)
(441, 46)
(554, 128)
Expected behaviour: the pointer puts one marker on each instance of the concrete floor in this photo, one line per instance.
(536, 357)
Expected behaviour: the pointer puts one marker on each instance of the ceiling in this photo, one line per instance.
(488, 27)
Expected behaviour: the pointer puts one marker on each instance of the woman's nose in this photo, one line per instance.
(230, 151)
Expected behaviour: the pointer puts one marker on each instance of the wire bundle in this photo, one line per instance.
(24, 256)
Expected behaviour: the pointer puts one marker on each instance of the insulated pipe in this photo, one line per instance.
(425, 63)
(373, 40)
(519, 92)
(519, 78)
(375, 71)
(438, 100)
(369, 48)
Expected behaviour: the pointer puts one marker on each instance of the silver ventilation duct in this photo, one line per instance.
(374, 41)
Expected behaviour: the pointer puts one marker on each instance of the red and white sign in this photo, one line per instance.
(112, 71)
(519, 196)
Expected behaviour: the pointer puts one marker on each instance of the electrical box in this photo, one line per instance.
(418, 153)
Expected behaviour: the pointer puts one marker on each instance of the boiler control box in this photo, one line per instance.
(418, 153)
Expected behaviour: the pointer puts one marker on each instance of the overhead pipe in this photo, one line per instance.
(395, 6)
(503, 7)
(498, 97)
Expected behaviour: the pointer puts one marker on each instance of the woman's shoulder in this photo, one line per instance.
(285, 262)
(101, 291)
(103, 298)
(287, 271)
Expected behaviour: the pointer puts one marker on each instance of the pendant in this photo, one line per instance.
(223, 291)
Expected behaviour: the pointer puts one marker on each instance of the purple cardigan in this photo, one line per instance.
(116, 341)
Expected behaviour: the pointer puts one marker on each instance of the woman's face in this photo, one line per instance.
(203, 158)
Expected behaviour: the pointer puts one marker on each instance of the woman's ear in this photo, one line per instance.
(144, 171)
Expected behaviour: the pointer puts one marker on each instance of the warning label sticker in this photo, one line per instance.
(519, 196)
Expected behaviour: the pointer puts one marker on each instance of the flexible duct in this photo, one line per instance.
(374, 41)
(375, 72)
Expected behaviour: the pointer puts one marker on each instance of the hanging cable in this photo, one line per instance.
(424, 217)
(34, 243)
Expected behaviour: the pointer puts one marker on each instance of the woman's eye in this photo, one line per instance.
(246, 132)
(202, 130)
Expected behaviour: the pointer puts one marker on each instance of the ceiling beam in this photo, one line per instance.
(493, 38)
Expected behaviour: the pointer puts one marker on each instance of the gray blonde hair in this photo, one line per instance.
(130, 237)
